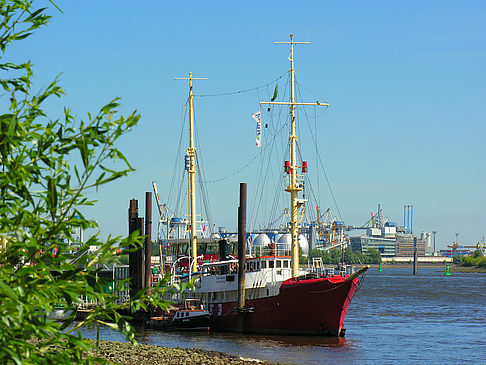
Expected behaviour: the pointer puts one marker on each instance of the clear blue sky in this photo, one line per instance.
(406, 82)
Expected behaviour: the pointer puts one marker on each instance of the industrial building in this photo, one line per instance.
(391, 240)
(363, 243)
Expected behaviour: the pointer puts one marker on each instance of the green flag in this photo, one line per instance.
(275, 93)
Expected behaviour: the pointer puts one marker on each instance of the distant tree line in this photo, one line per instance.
(475, 260)
(334, 256)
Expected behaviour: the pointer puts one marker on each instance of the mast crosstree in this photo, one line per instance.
(293, 185)
(191, 174)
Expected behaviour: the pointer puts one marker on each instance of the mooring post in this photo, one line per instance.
(135, 259)
(148, 239)
(241, 259)
(415, 268)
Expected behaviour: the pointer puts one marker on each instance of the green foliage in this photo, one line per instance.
(302, 259)
(155, 249)
(42, 193)
(334, 256)
(374, 255)
(457, 259)
(124, 259)
(479, 261)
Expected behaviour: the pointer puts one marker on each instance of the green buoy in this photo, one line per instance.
(447, 270)
(379, 268)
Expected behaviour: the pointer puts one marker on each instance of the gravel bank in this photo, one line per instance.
(126, 353)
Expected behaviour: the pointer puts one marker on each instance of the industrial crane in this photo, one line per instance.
(454, 248)
(157, 198)
(479, 247)
(164, 219)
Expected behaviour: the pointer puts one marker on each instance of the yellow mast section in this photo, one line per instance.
(191, 176)
(293, 186)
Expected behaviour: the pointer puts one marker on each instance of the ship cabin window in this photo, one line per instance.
(252, 266)
(224, 269)
(286, 263)
(212, 249)
(187, 314)
(216, 270)
(201, 248)
(279, 263)
(270, 264)
(264, 264)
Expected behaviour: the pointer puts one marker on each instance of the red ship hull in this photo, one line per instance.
(302, 307)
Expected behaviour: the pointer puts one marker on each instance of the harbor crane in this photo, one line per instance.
(164, 219)
(479, 247)
(157, 198)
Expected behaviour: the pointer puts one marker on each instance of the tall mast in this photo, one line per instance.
(191, 175)
(294, 186)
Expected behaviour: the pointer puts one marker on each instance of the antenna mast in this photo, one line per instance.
(191, 174)
(293, 185)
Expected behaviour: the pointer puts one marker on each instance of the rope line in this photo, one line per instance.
(234, 173)
(241, 91)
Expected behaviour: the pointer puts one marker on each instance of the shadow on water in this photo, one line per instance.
(281, 349)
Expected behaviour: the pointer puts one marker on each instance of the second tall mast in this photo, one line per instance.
(191, 175)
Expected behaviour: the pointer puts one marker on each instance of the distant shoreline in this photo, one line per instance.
(439, 266)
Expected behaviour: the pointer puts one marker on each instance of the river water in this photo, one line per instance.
(394, 317)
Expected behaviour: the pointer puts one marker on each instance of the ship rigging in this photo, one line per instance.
(278, 295)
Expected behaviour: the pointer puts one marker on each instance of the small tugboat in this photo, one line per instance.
(191, 317)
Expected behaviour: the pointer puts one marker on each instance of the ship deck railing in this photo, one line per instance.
(327, 271)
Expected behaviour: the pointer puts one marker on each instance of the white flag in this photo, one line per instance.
(257, 116)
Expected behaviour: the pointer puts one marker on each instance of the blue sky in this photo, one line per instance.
(406, 84)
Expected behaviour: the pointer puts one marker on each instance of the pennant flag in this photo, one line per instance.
(275, 93)
(258, 117)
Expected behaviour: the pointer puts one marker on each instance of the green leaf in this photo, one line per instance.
(52, 195)
(107, 109)
(7, 290)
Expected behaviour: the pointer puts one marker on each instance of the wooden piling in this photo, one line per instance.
(135, 259)
(148, 239)
(241, 259)
(415, 260)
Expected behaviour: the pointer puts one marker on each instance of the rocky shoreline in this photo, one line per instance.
(127, 353)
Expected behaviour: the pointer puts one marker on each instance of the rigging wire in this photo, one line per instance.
(269, 149)
(262, 187)
(314, 94)
(322, 165)
(202, 186)
(175, 169)
(233, 173)
(259, 183)
(317, 151)
(241, 91)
